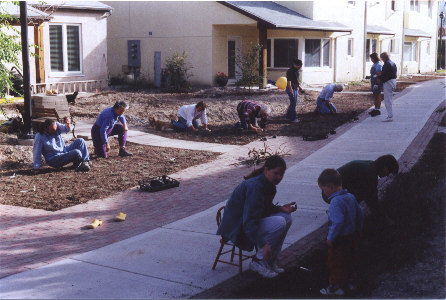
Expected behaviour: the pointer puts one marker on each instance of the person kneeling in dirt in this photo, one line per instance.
(50, 143)
(106, 126)
(323, 103)
(360, 177)
(188, 116)
(248, 112)
(345, 221)
(251, 219)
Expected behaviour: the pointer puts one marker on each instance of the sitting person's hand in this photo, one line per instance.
(289, 208)
(208, 130)
(107, 147)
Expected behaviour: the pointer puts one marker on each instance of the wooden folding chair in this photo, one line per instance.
(232, 250)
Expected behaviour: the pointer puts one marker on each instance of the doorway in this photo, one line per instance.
(234, 50)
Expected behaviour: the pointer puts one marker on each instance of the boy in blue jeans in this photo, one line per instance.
(345, 219)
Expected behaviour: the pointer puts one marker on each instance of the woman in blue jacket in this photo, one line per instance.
(251, 219)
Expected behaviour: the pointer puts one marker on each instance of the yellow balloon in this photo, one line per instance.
(281, 83)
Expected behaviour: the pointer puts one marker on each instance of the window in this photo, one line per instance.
(428, 47)
(414, 5)
(370, 47)
(393, 5)
(317, 52)
(352, 3)
(268, 50)
(285, 51)
(410, 51)
(393, 47)
(350, 47)
(65, 54)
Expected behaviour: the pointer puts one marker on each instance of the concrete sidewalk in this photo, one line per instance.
(175, 260)
(139, 137)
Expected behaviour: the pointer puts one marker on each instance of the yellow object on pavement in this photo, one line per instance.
(94, 224)
(120, 217)
(281, 83)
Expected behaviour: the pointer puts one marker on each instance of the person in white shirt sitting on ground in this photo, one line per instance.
(188, 115)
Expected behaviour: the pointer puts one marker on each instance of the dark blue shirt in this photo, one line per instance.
(50, 145)
(389, 71)
(250, 202)
(106, 120)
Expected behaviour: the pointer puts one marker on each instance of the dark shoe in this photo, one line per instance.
(375, 112)
(84, 167)
(124, 153)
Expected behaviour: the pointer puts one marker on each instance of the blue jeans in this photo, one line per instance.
(291, 112)
(322, 107)
(181, 124)
(76, 153)
(274, 230)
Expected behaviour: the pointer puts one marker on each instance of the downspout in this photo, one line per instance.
(436, 38)
(365, 40)
(403, 38)
(335, 46)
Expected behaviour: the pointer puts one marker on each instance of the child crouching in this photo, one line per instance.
(345, 219)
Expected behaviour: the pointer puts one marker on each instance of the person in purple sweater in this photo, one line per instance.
(106, 126)
(345, 220)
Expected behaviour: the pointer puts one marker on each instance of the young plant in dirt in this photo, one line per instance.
(178, 72)
(248, 64)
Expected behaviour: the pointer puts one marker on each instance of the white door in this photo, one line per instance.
(234, 51)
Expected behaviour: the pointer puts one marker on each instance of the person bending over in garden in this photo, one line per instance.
(323, 103)
(376, 85)
(360, 177)
(248, 112)
(49, 142)
(106, 126)
(188, 116)
(251, 219)
(293, 85)
(345, 220)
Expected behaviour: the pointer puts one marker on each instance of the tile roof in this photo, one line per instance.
(82, 5)
(379, 30)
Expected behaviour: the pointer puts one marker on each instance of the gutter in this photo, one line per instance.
(365, 41)
(403, 38)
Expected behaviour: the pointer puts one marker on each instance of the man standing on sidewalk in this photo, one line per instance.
(292, 77)
(388, 78)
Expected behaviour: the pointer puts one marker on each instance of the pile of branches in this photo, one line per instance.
(257, 156)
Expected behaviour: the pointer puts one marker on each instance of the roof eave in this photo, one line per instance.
(308, 28)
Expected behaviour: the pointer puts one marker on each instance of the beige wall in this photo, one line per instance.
(189, 27)
(93, 45)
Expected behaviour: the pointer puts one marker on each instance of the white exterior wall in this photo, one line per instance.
(93, 45)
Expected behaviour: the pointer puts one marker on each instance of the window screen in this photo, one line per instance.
(56, 50)
(285, 51)
(312, 53)
(73, 51)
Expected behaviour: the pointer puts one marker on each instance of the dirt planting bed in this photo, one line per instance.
(52, 189)
(222, 114)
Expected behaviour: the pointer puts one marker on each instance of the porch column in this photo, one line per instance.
(263, 41)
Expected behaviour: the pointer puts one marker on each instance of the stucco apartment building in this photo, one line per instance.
(72, 41)
(332, 38)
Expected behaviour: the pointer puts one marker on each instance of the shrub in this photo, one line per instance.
(178, 72)
(249, 66)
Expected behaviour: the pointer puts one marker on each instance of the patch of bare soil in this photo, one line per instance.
(222, 112)
(52, 189)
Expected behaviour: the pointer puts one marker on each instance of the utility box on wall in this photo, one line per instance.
(134, 53)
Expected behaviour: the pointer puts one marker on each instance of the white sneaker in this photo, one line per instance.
(295, 121)
(262, 268)
(388, 119)
(332, 290)
(277, 269)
